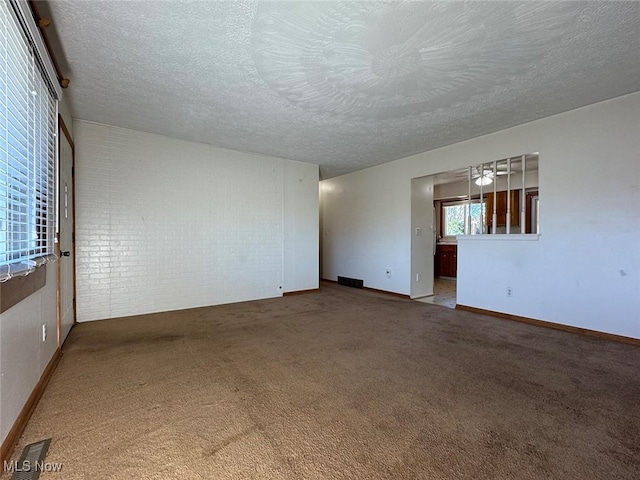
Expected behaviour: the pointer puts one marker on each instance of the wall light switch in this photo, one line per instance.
(418, 230)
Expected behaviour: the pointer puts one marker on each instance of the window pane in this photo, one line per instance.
(27, 156)
(454, 220)
(477, 212)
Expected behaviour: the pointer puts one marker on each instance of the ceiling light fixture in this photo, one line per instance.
(484, 180)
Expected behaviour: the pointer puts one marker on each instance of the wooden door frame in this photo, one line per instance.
(63, 127)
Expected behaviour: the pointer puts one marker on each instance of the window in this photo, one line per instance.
(456, 215)
(27, 150)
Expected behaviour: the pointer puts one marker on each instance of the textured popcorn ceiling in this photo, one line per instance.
(343, 85)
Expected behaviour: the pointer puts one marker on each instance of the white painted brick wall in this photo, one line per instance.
(165, 224)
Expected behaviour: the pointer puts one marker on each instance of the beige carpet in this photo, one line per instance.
(339, 384)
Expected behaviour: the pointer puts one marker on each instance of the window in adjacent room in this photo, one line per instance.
(455, 214)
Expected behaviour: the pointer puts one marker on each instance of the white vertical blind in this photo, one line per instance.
(27, 152)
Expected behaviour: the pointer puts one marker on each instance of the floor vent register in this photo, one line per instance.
(351, 282)
(31, 463)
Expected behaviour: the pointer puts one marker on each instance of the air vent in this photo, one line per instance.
(31, 462)
(351, 282)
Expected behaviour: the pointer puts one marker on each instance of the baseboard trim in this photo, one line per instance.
(399, 295)
(19, 425)
(386, 292)
(301, 292)
(555, 326)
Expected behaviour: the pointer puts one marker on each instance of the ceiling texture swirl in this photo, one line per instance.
(345, 85)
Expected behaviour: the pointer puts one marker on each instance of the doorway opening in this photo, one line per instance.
(493, 198)
(444, 293)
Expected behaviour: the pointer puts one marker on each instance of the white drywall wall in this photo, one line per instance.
(301, 224)
(23, 354)
(366, 228)
(422, 236)
(165, 224)
(583, 271)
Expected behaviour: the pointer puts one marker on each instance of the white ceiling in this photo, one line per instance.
(344, 85)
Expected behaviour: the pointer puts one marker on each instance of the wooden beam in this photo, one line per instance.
(43, 23)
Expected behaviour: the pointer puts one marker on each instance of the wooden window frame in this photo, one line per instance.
(16, 289)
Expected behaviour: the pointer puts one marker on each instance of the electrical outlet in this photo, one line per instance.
(388, 273)
(509, 292)
(44, 332)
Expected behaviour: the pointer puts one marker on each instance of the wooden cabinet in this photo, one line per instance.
(501, 209)
(446, 261)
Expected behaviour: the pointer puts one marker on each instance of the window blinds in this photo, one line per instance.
(27, 152)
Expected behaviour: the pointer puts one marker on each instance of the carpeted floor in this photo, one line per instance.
(339, 384)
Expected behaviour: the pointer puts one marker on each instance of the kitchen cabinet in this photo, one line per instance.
(446, 261)
(501, 208)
